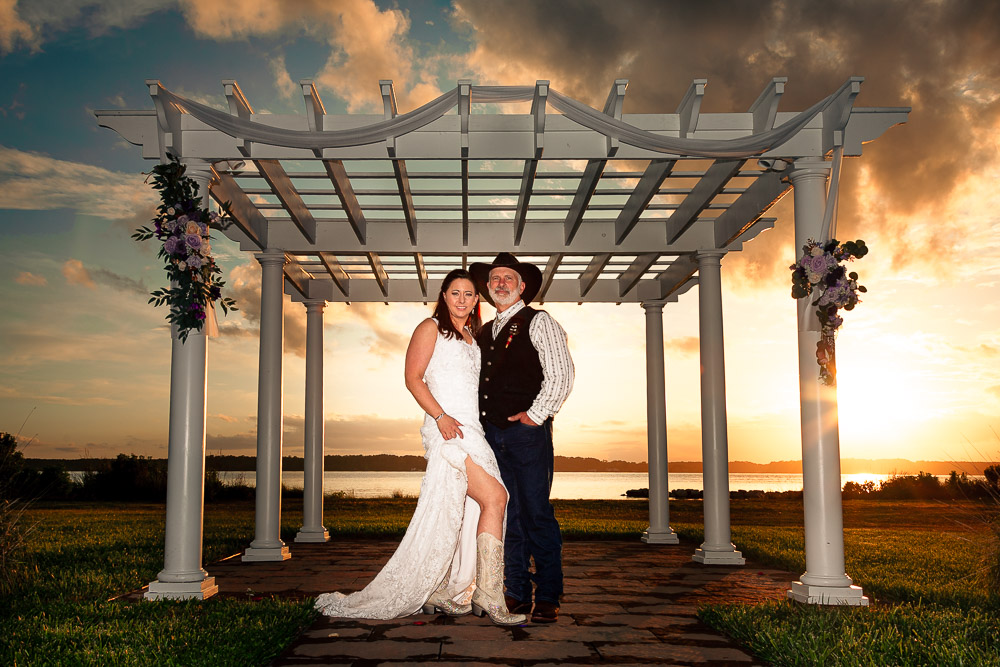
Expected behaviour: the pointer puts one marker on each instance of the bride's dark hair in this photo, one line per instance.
(442, 315)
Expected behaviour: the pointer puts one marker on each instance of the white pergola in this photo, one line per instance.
(617, 208)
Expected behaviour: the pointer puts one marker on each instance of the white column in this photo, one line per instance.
(717, 549)
(312, 494)
(825, 580)
(182, 576)
(659, 531)
(267, 544)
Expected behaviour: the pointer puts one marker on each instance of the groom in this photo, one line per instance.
(527, 373)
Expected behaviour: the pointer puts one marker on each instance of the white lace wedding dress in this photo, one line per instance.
(441, 536)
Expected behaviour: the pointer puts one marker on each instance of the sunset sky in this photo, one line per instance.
(84, 361)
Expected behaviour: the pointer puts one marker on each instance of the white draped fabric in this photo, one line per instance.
(740, 147)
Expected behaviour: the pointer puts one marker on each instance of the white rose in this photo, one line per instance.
(814, 278)
(816, 251)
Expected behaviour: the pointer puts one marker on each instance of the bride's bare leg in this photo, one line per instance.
(490, 495)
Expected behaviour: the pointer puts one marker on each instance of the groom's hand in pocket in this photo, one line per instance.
(523, 418)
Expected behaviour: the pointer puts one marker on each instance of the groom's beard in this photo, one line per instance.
(505, 298)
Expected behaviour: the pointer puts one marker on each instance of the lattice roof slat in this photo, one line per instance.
(608, 220)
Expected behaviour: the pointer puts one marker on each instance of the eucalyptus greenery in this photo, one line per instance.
(182, 225)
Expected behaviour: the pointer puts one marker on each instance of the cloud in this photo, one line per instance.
(120, 282)
(938, 57)
(16, 106)
(366, 44)
(987, 350)
(31, 24)
(29, 278)
(995, 390)
(57, 398)
(386, 341)
(77, 274)
(686, 345)
(13, 29)
(243, 285)
(31, 181)
(283, 80)
(345, 434)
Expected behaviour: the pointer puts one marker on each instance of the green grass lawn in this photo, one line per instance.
(920, 562)
(82, 557)
(923, 564)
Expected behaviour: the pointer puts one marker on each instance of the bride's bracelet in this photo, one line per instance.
(439, 417)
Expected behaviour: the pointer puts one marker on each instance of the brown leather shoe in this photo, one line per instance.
(545, 612)
(515, 606)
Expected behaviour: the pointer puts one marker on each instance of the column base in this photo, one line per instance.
(669, 537)
(270, 554)
(718, 557)
(312, 535)
(847, 596)
(190, 590)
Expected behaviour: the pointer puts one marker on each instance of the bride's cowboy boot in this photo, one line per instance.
(488, 597)
(440, 603)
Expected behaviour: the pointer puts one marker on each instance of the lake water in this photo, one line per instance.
(565, 485)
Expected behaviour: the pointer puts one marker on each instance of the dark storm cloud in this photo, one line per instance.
(941, 58)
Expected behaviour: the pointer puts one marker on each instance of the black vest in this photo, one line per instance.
(511, 376)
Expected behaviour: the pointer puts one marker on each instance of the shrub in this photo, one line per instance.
(863, 490)
(924, 486)
(13, 530)
(127, 477)
(218, 490)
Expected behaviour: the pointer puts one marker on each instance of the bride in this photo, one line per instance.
(451, 558)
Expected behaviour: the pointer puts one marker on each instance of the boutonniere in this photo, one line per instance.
(513, 332)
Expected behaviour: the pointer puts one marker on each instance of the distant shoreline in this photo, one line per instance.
(390, 462)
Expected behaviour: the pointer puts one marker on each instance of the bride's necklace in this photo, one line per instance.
(463, 329)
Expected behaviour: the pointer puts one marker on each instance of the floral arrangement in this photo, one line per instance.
(182, 225)
(821, 270)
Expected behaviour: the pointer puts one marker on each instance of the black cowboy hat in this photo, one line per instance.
(531, 276)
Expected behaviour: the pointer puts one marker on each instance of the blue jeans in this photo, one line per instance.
(525, 457)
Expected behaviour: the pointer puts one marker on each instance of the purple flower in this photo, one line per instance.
(170, 245)
(198, 311)
(193, 241)
(194, 261)
(818, 264)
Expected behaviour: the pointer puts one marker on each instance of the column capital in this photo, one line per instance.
(197, 169)
(708, 257)
(653, 305)
(271, 256)
(808, 167)
(314, 305)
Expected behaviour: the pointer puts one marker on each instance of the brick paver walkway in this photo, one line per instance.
(625, 603)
